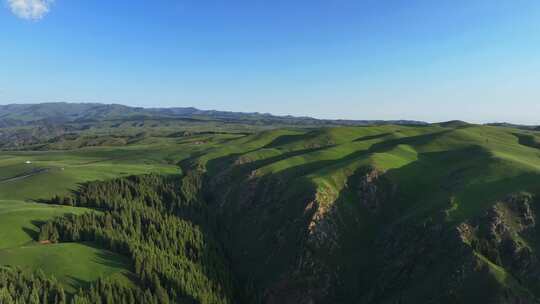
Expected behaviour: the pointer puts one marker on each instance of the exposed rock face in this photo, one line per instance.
(374, 189)
(323, 229)
(501, 235)
(282, 226)
(305, 250)
(465, 232)
(315, 277)
(458, 257)
(311, 278)
(317, 271)
(323, 235)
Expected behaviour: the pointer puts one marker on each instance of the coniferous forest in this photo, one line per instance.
(232, 209)
(163, 225)
(269, 152)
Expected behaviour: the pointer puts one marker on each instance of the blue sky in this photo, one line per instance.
(375, 59)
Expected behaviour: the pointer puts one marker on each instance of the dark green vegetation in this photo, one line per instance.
(161, 224)
(17, 286)
(185, 213)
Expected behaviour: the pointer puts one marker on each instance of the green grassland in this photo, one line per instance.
(19, 221)
(74, 265)
(57, 172)
(474, 164)
(458, 170)
(479, 164)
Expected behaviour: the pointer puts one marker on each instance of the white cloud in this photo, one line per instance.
(30, 9)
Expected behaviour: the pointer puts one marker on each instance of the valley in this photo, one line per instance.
(438, 213)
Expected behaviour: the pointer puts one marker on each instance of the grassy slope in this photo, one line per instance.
(57, 172)
(475, 164)
(470, 166)
(19, 220)
(75, 265)
(62, 171)
(478, 164)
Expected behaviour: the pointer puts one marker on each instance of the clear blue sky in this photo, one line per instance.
(476, 60)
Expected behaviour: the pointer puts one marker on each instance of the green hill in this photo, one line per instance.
(305, 209)
(56, 172)
(73, 265)
(19, 221)
(444, 213)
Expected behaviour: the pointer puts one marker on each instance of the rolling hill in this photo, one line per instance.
(337, 211)
(440, 213)
(74, 265)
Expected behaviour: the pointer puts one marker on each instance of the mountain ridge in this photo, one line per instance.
(63, 112)
(444, 213)
(17, 114)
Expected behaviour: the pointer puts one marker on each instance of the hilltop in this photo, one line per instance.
(194, 211)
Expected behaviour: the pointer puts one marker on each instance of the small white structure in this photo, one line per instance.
(28, 162)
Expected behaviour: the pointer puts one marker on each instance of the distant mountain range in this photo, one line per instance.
(58, 113)
(14, 115)
(196, 206)
(510, 125)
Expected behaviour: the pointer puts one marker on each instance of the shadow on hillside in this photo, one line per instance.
(77, 283)
(425, 190)
(34, 233)
(479, 197)
(267, 234)
(265, 219)
(418, 140)
(372, 137)
(308, 168)
(427, 184)
(265, 224)
(226, 164)
(527, 140)
(287, 139)
(108, 258)
(250, 166)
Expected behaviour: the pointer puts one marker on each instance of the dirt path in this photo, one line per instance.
(24, 175)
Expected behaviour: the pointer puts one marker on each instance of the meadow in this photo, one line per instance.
(449, 172)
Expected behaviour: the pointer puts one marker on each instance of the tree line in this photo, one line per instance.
(17, 286)
(163, 225)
